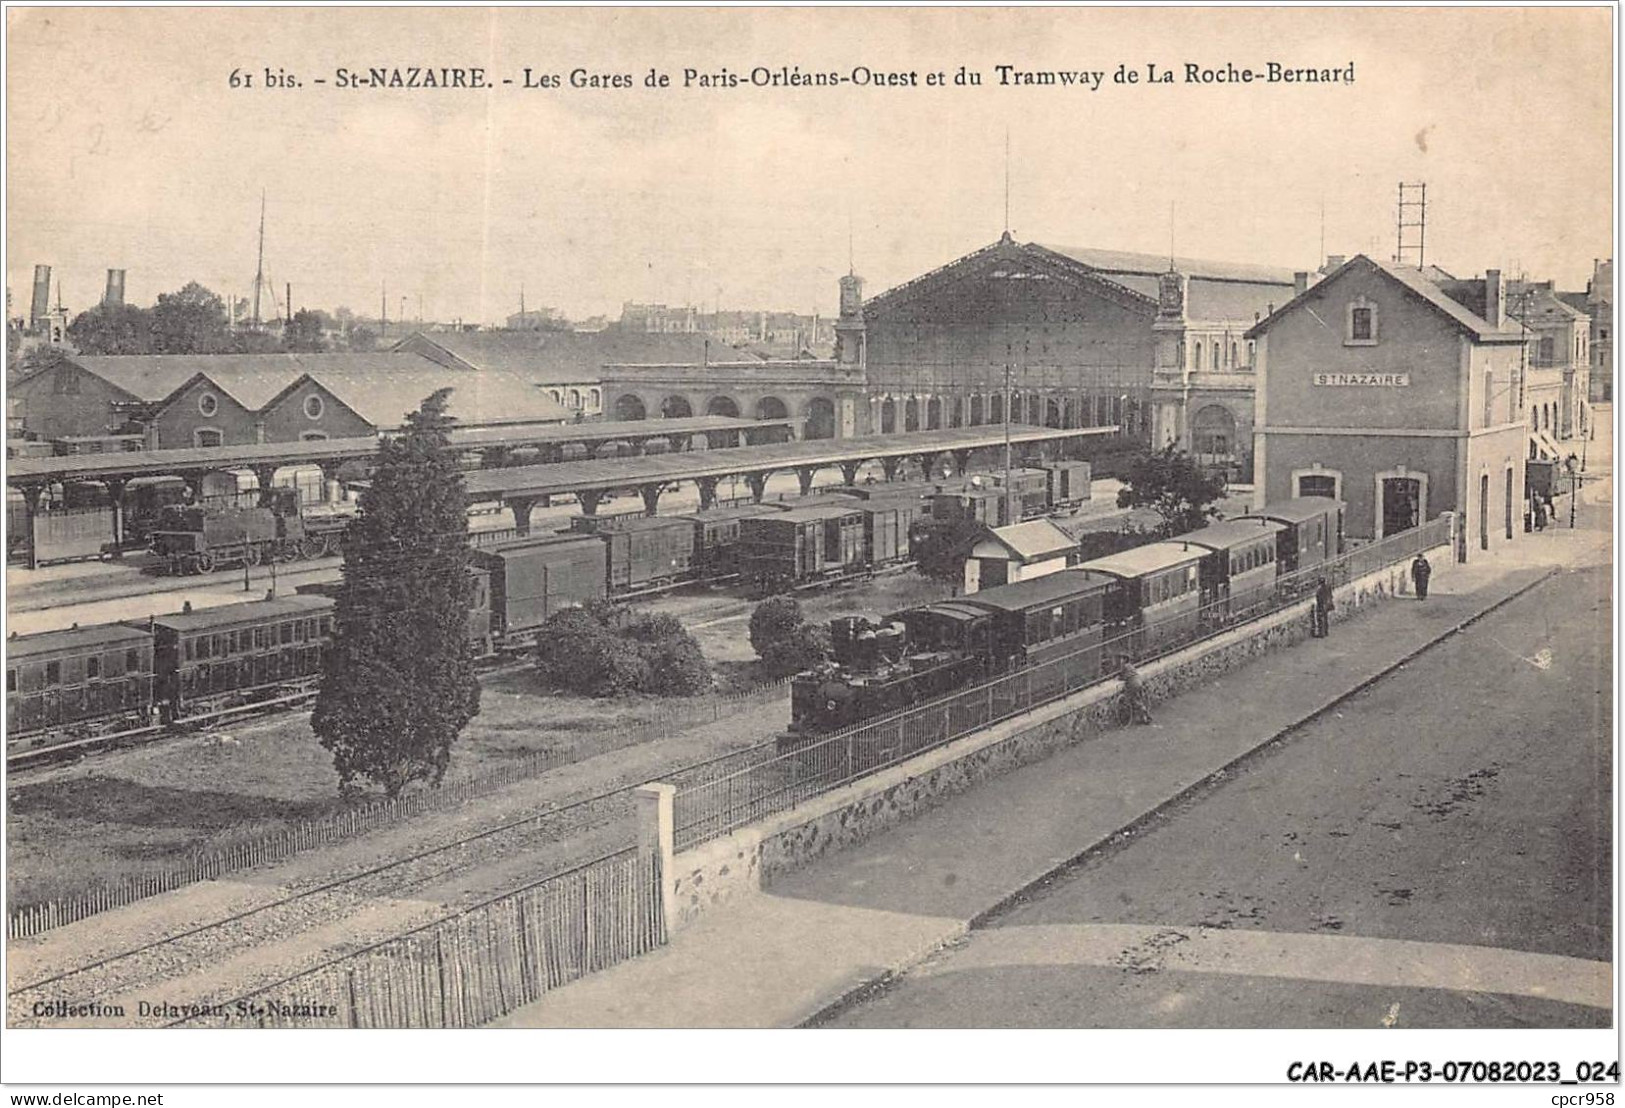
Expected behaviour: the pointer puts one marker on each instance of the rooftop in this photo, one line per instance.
(1145, 559)
(229, 615)
(1040, 590)
(1035, 540)
(566, 357)
(72, 640)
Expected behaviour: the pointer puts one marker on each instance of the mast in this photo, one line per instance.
(259, 269)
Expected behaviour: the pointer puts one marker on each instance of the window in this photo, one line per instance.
(1215, 353)
(11, 680)
(208, 404)
(132, 661)
(594, 398)
(575, 398)
(207, 436)
(1489, 397)
(1362, 323)
(314, 406)
(1546, 351)
(313, 436)
(1196, 348)
(93, 666)
(53, 673)
(558, 398)
(203, 645)
(285, 633)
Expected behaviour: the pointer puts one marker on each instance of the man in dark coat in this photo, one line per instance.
(1323, 609)
(1421, 570)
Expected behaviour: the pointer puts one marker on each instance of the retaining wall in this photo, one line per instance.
(751, 858)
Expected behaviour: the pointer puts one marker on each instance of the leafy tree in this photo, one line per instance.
(398, 683)
(190, 321)
(116, 329)
(305, 332)
(774, 620)
(941, 547)
(363, 340)
(1171, 483)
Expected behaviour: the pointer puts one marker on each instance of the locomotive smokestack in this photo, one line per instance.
(40, 306)
(114, 296)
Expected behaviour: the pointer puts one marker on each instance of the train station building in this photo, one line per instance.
(1400, 391)
(1090, 338)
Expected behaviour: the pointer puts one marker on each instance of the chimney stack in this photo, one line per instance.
(40, 306)
(1334, 261)
(1494, 298)
(1300, 283)
(114, 296)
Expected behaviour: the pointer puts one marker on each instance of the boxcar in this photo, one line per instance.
(802, 545)
(716, 535)
(887, 527)
(1031, 488)
(530, 580)
(971, 504)
(645, 552)
(1239, 573)
(889, 490)
(235, 653)
(1313, 534)
(73, 678)
(1068, 483)
(1157, 598)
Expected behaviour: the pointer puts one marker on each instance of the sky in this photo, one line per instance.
(126, 148)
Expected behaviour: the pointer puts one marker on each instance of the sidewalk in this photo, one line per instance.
(780, 958)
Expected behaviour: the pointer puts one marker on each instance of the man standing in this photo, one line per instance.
(1421, 570)
(1323, 609)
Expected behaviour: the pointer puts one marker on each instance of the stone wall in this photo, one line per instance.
(752, 857)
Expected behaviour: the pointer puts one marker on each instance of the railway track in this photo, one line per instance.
(559, 834)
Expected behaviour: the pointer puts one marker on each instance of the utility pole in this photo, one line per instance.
(259, 269)
(1009, 517)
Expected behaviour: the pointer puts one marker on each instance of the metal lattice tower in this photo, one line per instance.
(1412, 225)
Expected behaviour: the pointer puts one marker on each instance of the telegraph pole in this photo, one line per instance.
(1009, 516)
(259, 270)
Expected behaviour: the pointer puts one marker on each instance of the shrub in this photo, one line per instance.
(775, 620)
(804, 649)
(606, 650)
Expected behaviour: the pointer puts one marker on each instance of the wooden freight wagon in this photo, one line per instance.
(236, 653)
(887, 526)
(794, 547)
(973, 504)
(61, 679)
(648, 552)
(532, 580)
(1031, 487)
(1068, 483)
(716, 535)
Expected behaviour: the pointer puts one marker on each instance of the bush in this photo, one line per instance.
(941, 547)
(804, 649)
(775, 620)
(607, 651)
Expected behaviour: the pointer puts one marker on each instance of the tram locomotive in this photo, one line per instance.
(1133, 604)
(200, 538)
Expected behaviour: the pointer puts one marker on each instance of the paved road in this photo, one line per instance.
(1462, 802)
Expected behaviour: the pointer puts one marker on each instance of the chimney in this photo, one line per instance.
(1494, 297)
(114, 296)
(1300, 283)
(40, 306)
(1334, 261)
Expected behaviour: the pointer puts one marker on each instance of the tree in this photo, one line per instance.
(305, 333)
(783, 639)
(941, 547)
(1174, 486)
(190, 321)
(606, 650)
(363, 340)
(115, 329)
(398, 683)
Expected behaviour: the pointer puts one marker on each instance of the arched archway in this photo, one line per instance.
(722, 406)
(996, 409)
(956, 416)
(1213, 434)
(820, 418)
(933, 414)
(630, 407)
(676, 407)
(976, 410)
(1035, 410)
(771, 407)
(911, 414)
(1052, 414)
(888, 416)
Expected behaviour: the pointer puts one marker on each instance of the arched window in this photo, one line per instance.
(595, 398)
(206, 436)
(1196, 349)
(558, 397)
(313, 436)
(1233, 361)
(1215, 353)
(1252, 352)
(575, 398)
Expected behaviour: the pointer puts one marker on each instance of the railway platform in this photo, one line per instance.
(783, 957)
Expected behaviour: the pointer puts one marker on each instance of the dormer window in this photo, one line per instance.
(1362, 323)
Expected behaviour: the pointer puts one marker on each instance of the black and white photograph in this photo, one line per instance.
(1091, 522)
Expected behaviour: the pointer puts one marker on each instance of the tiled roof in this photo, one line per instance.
(384, 397)
(1035, 539)
(1127, 263)
(250, 379)
(568, 357)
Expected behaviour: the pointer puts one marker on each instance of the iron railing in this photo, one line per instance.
(720, 796)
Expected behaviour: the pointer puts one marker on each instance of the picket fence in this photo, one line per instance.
(476, 966)
(35, 919)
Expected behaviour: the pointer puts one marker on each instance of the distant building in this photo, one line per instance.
(1557, 387)
(537, 319)
(1399, 394)
(658, 319)
(1600, 307)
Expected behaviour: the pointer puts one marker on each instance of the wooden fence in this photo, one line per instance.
(476, 966)
(37, 918)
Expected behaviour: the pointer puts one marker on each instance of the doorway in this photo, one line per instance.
(1484, 512)
(1401, 504)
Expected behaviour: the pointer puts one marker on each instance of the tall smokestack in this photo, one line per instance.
(40, 306)
(114, 296)
(1494, 297)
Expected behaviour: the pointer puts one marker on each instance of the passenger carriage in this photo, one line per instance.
(1238, 574)
(83, 680)
(1312, 535)
(1157, 600)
